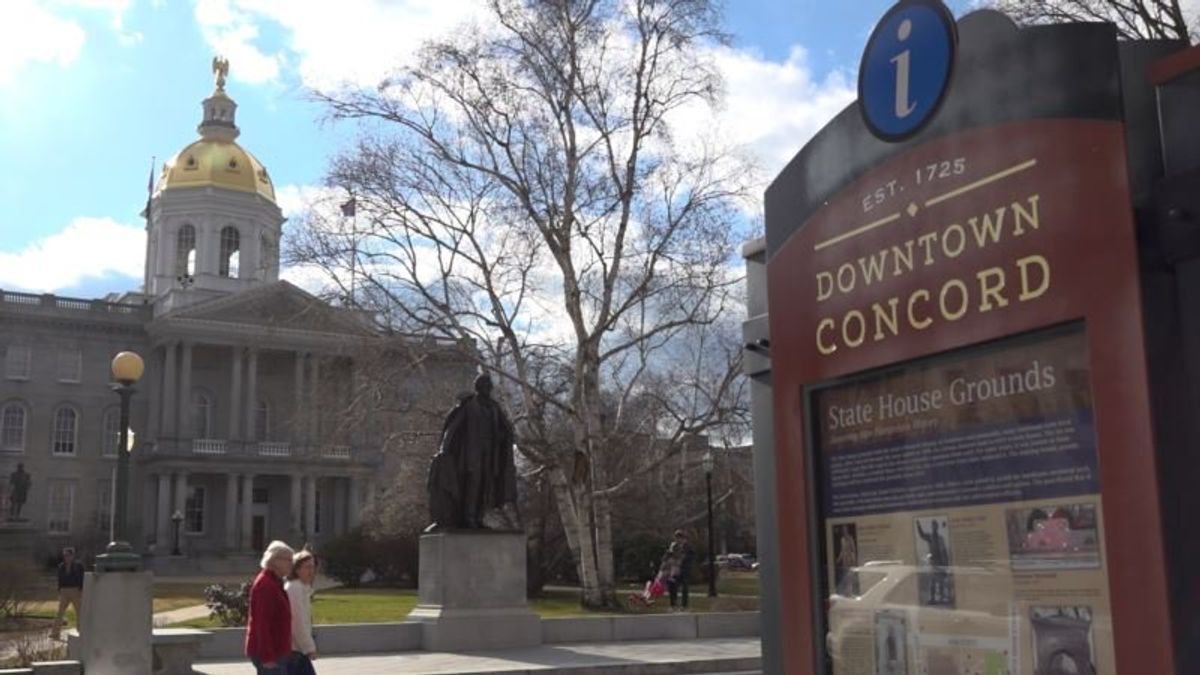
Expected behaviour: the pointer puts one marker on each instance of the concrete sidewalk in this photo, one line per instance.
(726, 655)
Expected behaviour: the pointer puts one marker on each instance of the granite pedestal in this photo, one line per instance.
(116, 621)
(472, 592)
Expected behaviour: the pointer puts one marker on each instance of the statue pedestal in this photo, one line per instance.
(472, 592)
(115, 628)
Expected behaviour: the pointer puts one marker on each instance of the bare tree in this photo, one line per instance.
(520, 188)
(1134, 19)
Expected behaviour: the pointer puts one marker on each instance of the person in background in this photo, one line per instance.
(299, 590)
(70, 589)
(269, 628)
(687, 556)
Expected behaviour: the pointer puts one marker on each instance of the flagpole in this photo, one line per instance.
(149, 223)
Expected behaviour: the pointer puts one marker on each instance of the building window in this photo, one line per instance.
(317, 512)
(70, 363)
(262, 422)
(261, 496)
(12, 427)
(230, 251)
(111, 439)
(65, 432)
(193, 510)
(201, 415)
(61, 495)
(104, 505)
(185, 252)
(17, 361)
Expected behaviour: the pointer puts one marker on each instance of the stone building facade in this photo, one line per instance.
(262, 413)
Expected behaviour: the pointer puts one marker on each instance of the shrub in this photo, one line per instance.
(639, 556)
(18, 579)
(347, 557)
(228, 604)
(395, 559)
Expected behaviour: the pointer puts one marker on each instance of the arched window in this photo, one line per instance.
(262, 421)
(111, 439)
(12, 427)
(201, 415)
(231, 243)
(66, 431)
(185, 252)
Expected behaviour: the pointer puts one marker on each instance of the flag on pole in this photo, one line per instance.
(349, 208)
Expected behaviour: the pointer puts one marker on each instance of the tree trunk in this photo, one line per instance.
(574, 507)
(604, 544)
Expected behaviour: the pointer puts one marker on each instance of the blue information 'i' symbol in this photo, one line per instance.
(906, 68)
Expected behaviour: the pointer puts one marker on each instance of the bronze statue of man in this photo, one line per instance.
(18, 485)
(473, 474)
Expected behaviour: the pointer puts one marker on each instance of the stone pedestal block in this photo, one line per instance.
(115, 628)
(472, 592)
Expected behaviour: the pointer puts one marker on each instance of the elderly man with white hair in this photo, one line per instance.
(269, 630)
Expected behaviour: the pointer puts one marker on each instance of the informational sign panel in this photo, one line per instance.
(961, 502)
(965, 466)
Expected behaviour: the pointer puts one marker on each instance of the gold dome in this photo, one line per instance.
(218, 163)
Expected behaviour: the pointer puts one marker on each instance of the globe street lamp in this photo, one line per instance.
(127, 369)
(712, 566)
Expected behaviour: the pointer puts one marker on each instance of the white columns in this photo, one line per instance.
(251, 421)
(186, 429)
(170, 391)
(231, 505)
(247, 510)
(162, 530)
(154, 383)
(354, 511)
(294, 512)
(235, 395)
(298, 419)
(314, 400)
(310, 508)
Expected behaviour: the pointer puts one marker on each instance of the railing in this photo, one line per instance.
(53, 302)
(336, 452)
(208, 446)
(268, 449)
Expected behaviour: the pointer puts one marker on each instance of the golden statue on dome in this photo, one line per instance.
(220, 68)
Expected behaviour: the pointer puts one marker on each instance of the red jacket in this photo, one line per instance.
(269, 630)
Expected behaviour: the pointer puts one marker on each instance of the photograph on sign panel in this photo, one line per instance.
(845, 556)
(891, 644)
(1053, 536)
(1062, 640)
(936, 581)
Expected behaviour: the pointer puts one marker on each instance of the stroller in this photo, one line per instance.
(655, 589)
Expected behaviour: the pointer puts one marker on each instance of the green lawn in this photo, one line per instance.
(379, 605)
(167, 596)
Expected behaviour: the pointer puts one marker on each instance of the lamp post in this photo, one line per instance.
(118, 556)
(712, 566)
(177, 518)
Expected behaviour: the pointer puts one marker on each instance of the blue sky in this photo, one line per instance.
(92, 89)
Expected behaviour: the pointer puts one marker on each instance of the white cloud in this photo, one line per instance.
(52, 31)
(30, 33)
(771, 108)
(87, 248)
(353, 41)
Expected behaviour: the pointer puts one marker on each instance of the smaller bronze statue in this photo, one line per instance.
(473, 478)
(18, 482)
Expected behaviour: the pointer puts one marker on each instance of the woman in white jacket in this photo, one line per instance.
(299, 590)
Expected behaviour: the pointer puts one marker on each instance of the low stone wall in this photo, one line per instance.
(47, 668)
(366, 638)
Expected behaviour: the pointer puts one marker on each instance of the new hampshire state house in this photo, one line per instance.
(263, 413)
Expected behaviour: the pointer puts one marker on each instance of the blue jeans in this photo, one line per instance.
(281, 667)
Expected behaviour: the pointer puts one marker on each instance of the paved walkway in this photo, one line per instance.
(726, 655)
